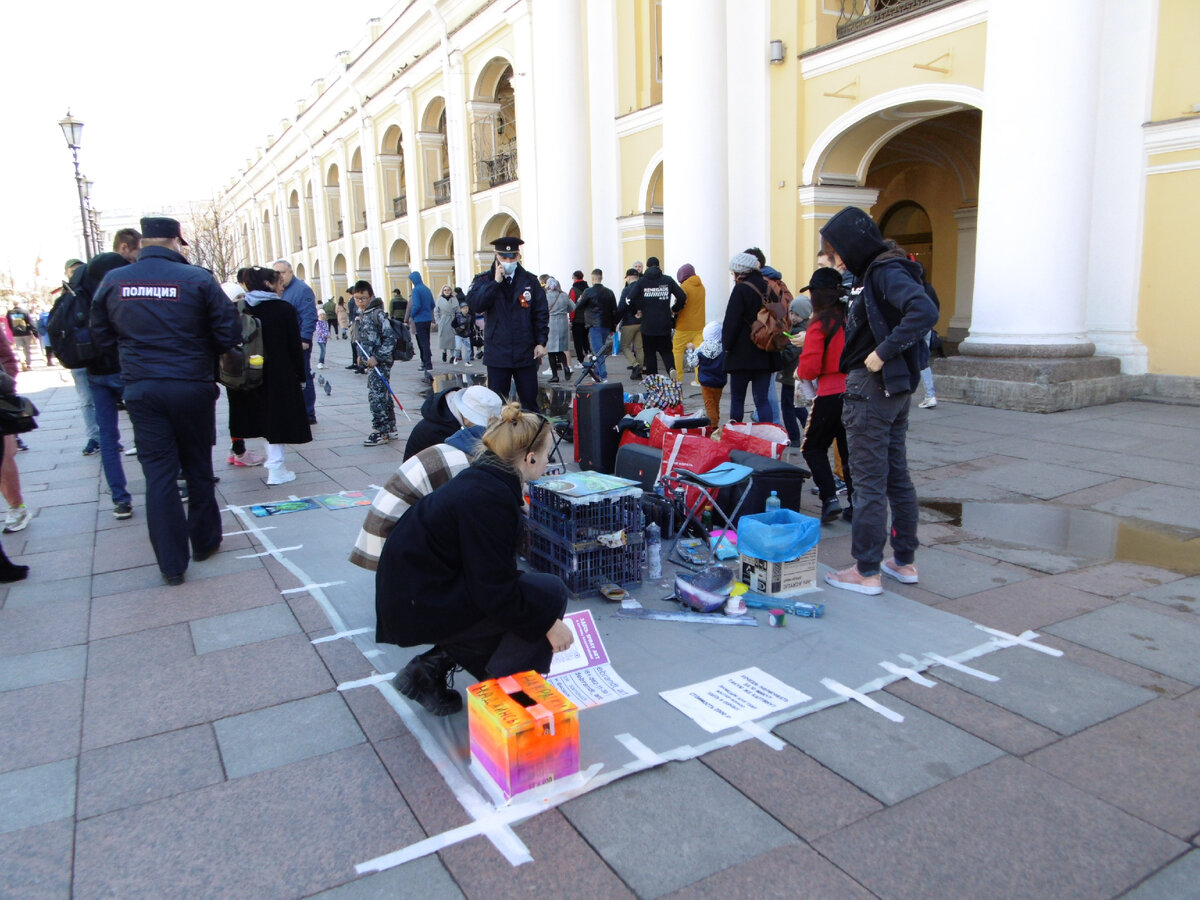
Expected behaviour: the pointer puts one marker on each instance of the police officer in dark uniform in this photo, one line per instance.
(170, 320)
(518, 322)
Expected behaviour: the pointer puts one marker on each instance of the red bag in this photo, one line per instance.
(659, 430)
(631, 437)
(691, 453)
(763, 438)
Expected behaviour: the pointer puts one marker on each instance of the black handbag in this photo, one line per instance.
(17, 414)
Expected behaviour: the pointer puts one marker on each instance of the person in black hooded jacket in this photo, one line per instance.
(651, 298)
(890, 311)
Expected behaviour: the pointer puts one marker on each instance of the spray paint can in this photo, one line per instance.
(654, 551)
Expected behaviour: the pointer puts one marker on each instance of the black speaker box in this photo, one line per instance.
(769, 475)
(599, 407)
(639, 463)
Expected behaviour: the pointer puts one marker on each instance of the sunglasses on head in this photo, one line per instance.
(542, 422)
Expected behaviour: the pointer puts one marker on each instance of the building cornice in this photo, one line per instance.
(641, 120)
(1172, 135)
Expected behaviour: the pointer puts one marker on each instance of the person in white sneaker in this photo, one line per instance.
(275, 410)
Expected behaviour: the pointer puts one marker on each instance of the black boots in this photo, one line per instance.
(429, 680)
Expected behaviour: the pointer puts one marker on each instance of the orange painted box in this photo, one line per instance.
(524, 733)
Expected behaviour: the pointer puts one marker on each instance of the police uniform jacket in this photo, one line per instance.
(514, 325)
(171, 319)
(441, 571)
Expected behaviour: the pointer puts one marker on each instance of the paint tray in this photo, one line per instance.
(706, 590)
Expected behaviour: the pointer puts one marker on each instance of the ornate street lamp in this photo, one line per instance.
(72, 130)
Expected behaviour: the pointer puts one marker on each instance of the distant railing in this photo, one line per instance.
(341, 228)
(441, 191)
(399, 206)
(500, 169)
(859, 15)
(362, 226)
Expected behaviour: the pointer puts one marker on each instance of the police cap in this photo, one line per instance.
(162, 227)
(507, 244)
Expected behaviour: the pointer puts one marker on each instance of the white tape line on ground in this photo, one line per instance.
(639, 750)
(755, 730)
(248, 531)
(331, 614)
(1024, 639)
(911, 674)
(371, 654)
(309, 587)
(340, 635)
(274, 551)
(365, 682)
(838, 688)
(959, 667)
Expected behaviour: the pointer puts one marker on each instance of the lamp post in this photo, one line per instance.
(73, 130)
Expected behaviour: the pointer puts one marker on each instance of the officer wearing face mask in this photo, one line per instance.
(517, 322)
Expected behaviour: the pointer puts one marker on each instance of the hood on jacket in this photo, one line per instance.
(686, 271)
(769, 272)
(437, 409)
(375, 303)
(652, 272)
(98, 267)
(415, 278)
(855, 237)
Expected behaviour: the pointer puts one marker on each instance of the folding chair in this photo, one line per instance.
(726, 475)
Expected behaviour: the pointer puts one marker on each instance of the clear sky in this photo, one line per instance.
(174, 98)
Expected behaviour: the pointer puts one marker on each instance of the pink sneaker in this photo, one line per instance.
(249, 458)
(852, 580)
(903, 574)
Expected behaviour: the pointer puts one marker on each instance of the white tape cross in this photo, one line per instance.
(911, 674)
(959, 667)
(1024, 639)
(838, 688)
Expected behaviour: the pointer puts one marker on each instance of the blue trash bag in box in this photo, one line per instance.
(780, 535)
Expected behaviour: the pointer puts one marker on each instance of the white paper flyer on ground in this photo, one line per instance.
(734, 699)
(583, 672)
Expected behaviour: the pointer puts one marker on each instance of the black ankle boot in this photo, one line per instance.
(429, 680)
(10, 572)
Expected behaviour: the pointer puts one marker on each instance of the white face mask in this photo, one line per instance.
(509, 268)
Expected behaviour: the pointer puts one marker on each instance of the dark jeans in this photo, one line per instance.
(656, 347)
(421, 329)
(106, 392)
(597, 336)
(501, 380)
(794, 420)
(825, 428)
(310, 392)
(876, 431)
(579, 336)
(174, 423)
(487, 649)
(760, 388)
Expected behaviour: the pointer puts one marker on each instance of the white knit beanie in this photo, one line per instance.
(743, 263)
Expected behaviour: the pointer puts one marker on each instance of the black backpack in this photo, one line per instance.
(242, 366)
(69, 325)
(404, 350)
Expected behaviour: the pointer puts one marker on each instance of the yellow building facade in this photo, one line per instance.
(1040, 159)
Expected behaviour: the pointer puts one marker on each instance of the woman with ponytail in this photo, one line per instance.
(448, 573)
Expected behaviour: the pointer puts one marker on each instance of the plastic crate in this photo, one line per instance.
(583, 565)
(578, 519)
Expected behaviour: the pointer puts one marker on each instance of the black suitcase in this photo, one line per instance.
(598, 409)
(769, 475)
(639, 463)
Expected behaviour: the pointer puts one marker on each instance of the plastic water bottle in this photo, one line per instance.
(772, 502)
(654, 550)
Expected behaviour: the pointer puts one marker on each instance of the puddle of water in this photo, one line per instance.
(1074, 532)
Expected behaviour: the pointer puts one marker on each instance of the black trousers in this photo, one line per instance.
(174, 423)
(488, 649)
(824, 428)
(579, 337)
(501, 380)
(657, 346)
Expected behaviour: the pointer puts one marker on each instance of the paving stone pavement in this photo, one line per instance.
(182, 742)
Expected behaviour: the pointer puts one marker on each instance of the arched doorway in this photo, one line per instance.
(358, 202)
(363, 272)
(439, 263)
(434, 157)
(339, 274)
(911, 159)
(391, 163)
(398, 269)
(333, 204)
(498, 226)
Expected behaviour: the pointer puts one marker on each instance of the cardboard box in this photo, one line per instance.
(781, 579)
(524, 733)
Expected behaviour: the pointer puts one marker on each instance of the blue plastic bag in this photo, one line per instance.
(778, 536)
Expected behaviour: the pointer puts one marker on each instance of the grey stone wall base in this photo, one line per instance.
(1034, 385)
(1179, 389)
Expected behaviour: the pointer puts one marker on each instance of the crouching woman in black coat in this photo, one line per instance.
(448, 573)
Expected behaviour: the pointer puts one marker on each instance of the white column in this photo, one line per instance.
(459, 154)
(1114, 276)
(527, 136)
(370, 158)
(967, 221)
(747, 107)
(1035, 179)
(606, 161)
(414, 184)
(561, 102)
(695, 153)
